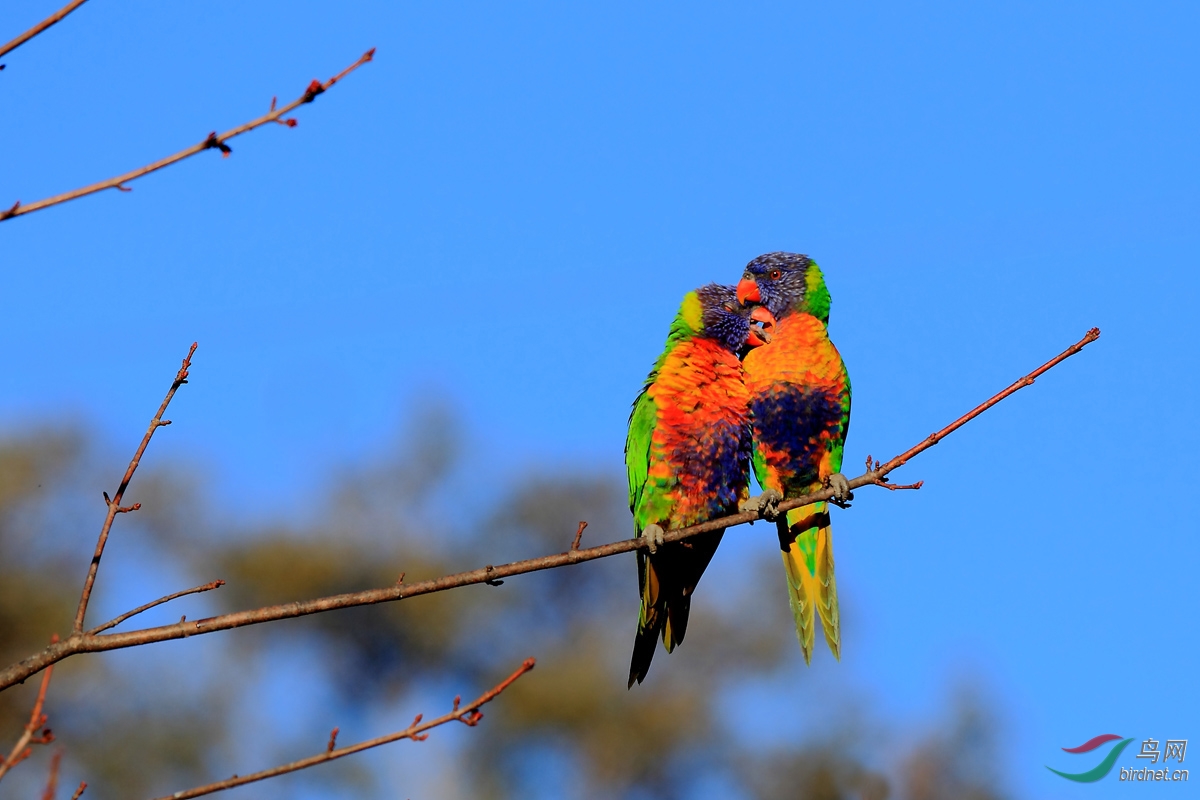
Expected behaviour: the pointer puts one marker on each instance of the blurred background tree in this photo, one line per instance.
(157, 719)
(975, 178)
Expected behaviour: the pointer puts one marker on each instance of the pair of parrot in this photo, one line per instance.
(749, 376)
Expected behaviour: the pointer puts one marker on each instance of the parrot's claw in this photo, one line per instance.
(653, 534)
(766, 505)
(841, 490)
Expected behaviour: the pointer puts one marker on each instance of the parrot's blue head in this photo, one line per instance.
(720, 316)
(785, 283)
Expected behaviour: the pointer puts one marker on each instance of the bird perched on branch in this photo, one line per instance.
(800, 413)
(688, 455)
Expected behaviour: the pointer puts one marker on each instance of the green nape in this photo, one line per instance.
(688, 321)
(816, 296)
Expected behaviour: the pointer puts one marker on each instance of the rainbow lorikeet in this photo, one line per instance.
(688, 455)
(800, 413)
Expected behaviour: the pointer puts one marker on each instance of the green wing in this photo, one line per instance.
(835, 456)
(637, 452)
(644, 417)
(759, 463)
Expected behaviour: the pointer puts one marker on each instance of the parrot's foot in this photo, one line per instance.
(653, 534)
(841, 490)
(766, 505)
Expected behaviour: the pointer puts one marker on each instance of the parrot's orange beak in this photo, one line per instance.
(761, 334)
(747, 290)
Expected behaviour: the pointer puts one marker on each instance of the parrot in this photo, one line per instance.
(800, 414)
(687, 455)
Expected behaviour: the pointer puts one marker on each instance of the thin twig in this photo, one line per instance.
(37, 719)
(114, 505)
(1017, 385)
(112, 623)
(578, 536)
(52, 781)
(79, 791)
(895, 487)
(41, 26)
(82, 643)
(468, 715)
(212, 141)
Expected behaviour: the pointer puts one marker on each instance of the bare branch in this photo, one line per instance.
(54, 18)
(52, 780)
(114, 505)
(1017, 385)
(79, 642)
(578, 535)
(112, 623)
(21, 750)
(212, 141)
(79, 791)
(468, 715)
(895, 487)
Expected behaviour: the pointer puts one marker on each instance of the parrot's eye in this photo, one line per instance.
(729, 307)
(776, 274)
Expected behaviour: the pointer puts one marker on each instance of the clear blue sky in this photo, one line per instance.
(507, 205)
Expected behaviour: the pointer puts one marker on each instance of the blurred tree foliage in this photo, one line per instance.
(162, 718)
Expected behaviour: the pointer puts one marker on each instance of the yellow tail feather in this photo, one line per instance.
(806, 543)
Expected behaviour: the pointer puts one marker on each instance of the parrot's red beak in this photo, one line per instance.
(761, 334)
(747, 290)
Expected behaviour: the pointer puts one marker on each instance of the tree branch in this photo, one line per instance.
(469, 715)
(37, 719)
(112, 623)
(876, 475)
(114, 505)
(213, 141)
(52, 779)
(902, 459)
(578, 535)
(54, 18)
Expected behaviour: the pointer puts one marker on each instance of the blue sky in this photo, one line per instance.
(504, 209)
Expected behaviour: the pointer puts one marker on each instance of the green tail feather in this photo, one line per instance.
(806, 543)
